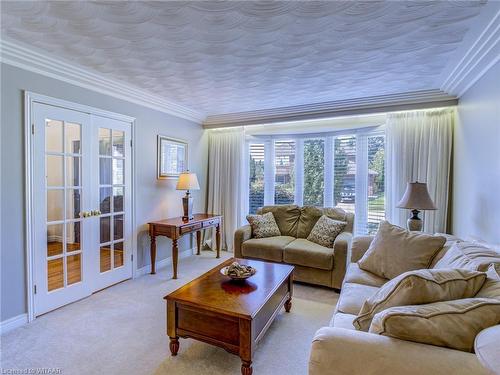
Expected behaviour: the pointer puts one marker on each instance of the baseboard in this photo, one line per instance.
(163, 263)
(12, 323)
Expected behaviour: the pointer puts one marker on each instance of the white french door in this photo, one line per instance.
(81, 171)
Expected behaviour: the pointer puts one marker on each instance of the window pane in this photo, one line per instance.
(314, 166)
(118, 143)
(284, 161)
(118, 171)
(53, 136)
(104, 141)
(105, 200)
(55, 235)
(345, 172)
(376, 188)
(105, 171)
(73, 171)
(256, 176)
(72, 135)
(55, 175)
(74, 269)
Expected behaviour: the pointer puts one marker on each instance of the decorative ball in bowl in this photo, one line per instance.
(238, 271)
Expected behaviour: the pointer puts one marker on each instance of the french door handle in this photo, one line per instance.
(85, 214)
(95, 213)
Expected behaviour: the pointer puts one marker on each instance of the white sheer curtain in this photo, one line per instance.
(418, 148)
(225, 181)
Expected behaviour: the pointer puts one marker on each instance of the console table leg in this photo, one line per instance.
(198, 242)
(217, 240)
(153, 254)
(175, 256)
(174, 345)
(288, 305)
(246, 368)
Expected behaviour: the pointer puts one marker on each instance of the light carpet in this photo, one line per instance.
(121, 330)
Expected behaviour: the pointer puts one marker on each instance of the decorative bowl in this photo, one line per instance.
(234, 277)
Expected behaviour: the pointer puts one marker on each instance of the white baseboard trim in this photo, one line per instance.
(163, 263)
(13, 323)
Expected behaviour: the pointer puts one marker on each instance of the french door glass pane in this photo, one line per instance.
(118, 171)
(73, 269)
(284, 161)
(105, 200)
(345, 172)
(118, 143)
(118, 254)
(118, 199)
(55, 174)
(105, 171)
(256, 173)
(55, 274)
(55, 235)
(73, 170)
(72, 133)
(314, 172)
(104, 141)
(73, 236)
(105, 229)
(118, 227)
(55, 204)
(105, 258)
(376, 188)
(53, 136)
(73, 197)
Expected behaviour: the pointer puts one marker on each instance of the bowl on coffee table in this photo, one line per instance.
(238, 271)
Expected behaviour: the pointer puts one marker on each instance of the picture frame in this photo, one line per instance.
(172, 157)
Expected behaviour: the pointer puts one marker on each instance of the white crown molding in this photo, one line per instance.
(13, 323)
(368, 105)
(12, 53)
(483, 53)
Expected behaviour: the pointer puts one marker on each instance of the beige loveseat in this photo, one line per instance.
(313, 263)
(341, 349)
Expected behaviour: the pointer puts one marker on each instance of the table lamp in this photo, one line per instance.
(416, 197)
(187, 181)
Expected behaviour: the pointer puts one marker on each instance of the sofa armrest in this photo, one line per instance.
(241, 235)
(342, 351)
(359, 246)
(341, 251)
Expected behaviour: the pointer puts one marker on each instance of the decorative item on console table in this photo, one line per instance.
(187, 181)
(416, 197)
(176, 227)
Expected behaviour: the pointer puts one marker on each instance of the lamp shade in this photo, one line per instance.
(188, 181)
(416, 197)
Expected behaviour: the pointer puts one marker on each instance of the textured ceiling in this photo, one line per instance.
(222, 57)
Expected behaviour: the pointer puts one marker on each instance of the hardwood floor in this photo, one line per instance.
(55, 267)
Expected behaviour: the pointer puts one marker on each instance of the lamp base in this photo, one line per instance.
(414, 223)
(187, 205)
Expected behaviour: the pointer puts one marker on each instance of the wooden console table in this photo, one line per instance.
(175, 228)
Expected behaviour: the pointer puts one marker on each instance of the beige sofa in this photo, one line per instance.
(341, 349)
(313, 263)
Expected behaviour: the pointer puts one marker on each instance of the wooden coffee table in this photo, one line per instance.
(232, 315)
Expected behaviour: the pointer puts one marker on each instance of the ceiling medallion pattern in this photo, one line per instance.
(224, 57)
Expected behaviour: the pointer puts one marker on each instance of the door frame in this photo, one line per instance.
(29, 99)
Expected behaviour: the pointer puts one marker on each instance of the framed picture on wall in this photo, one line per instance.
(172, 157)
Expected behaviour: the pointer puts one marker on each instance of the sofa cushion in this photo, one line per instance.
(325, 231)
(453, 324)
(270, 248)
(263, 225)
(353, 296)
(420, 287)
(356, 275)
(341, 320)
(395, 250)
(487, 349)
(287, 217)
(309, 254)
(309, 215)
(469, 255)
(491, 287)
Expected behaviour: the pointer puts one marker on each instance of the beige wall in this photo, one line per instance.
(156, 199)
(476, 164)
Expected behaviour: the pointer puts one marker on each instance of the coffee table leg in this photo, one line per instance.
(246, 368)
(174, 345)
(288, 305)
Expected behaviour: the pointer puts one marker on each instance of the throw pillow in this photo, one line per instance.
(419, 287)
(469, 255)
(325, 231)
(263, 225)
(491, 287)
(395, 250)
(453, 324)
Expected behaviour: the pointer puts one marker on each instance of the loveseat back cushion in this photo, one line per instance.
(309, 215)
(270, 248)
(394, 250)
(491, 287)
(469, 255)
(453, 324)
(420, 287)
(286, 216)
